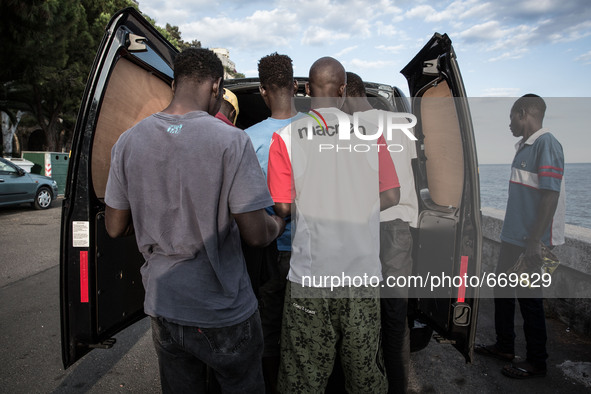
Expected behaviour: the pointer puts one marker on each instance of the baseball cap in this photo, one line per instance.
(232, 99)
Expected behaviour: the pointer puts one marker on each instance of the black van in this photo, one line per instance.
(101, 286)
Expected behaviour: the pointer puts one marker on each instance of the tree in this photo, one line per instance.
(47, 63)
(48, 48)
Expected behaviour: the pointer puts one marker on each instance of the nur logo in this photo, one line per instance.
(386, 123)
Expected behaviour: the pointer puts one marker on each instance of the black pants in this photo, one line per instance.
(396, 259)
(531, 305)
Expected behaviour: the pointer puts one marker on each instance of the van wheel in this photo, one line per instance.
(42, 198)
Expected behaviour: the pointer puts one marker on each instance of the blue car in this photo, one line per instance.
(18, 186)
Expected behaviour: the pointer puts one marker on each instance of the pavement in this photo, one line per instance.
(30, 353)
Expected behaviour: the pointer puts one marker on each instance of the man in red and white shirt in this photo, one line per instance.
(336, 184)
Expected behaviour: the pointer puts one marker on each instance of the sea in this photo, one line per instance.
(494, 186)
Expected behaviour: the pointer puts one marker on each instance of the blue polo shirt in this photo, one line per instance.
(538, 164)
(260, 134)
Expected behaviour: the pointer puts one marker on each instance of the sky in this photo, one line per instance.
(505, 48)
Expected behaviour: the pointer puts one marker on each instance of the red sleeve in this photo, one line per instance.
(387, 172)
(279, 174)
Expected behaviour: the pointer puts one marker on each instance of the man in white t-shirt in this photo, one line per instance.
(336, 188)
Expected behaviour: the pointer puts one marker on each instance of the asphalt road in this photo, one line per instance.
(30, 353)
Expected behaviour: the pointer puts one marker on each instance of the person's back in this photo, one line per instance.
(193, 186)
(268, 267)
(179, 192)
(337, 197)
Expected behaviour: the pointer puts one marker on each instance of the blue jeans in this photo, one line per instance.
(233, 354)
(531, 305)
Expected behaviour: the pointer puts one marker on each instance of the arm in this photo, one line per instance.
(118, 222)
(550, 174)
(389, 198)
(543, 219)
(257, 228)
(388, 178)
(279, 177)
(283, 209)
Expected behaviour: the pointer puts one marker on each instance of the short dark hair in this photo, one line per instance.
(355, 86)
(276, 71)
(532, 104)
(197, 64)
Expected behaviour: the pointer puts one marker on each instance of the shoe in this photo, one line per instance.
(523, 370)
(493, 351)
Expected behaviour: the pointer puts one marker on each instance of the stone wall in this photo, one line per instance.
(573, 273)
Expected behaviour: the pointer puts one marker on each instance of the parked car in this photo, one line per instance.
(101, 286)
(18, 186)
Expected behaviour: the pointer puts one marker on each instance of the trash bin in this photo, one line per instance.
(51, 164)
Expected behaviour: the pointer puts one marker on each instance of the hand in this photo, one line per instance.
(533, 250)
(281, 223)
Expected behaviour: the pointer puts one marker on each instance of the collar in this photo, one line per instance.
(532, 138)
(223, 118)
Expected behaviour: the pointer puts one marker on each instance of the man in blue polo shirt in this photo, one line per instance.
(534, 215)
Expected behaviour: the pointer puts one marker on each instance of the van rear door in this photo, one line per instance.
(101, 289)
(448, 242)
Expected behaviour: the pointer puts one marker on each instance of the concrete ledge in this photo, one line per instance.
(574, 270)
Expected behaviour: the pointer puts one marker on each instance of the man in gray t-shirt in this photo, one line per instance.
(193, 186)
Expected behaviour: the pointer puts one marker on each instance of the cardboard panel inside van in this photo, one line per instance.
(443, 146)
(132, 94)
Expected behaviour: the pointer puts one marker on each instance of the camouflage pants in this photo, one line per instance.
(314, 329)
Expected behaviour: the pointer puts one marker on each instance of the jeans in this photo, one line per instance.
(396, 259)
(233, 354)
(531, 305)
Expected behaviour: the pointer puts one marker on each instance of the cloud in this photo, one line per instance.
(367, 64)
(319, 36)
(386, 29)
(421, 11)
(510, 42)
(460, 9)
(585, 58)
(502, 92)
(505, 24)
(345, 51)
(391, 48)
(488, 31)
(262, 29)
(351, 17)
(515, 53)
(174, 12)
(572, 33)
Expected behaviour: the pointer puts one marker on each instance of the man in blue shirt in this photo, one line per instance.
(277, 88)
(534, 216)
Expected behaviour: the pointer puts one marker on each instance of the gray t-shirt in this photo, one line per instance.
(183, 176)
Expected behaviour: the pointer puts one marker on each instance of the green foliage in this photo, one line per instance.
(47, 48)
(233, 73)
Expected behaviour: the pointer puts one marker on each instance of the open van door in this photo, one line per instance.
(448, 241)
(101, 289)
